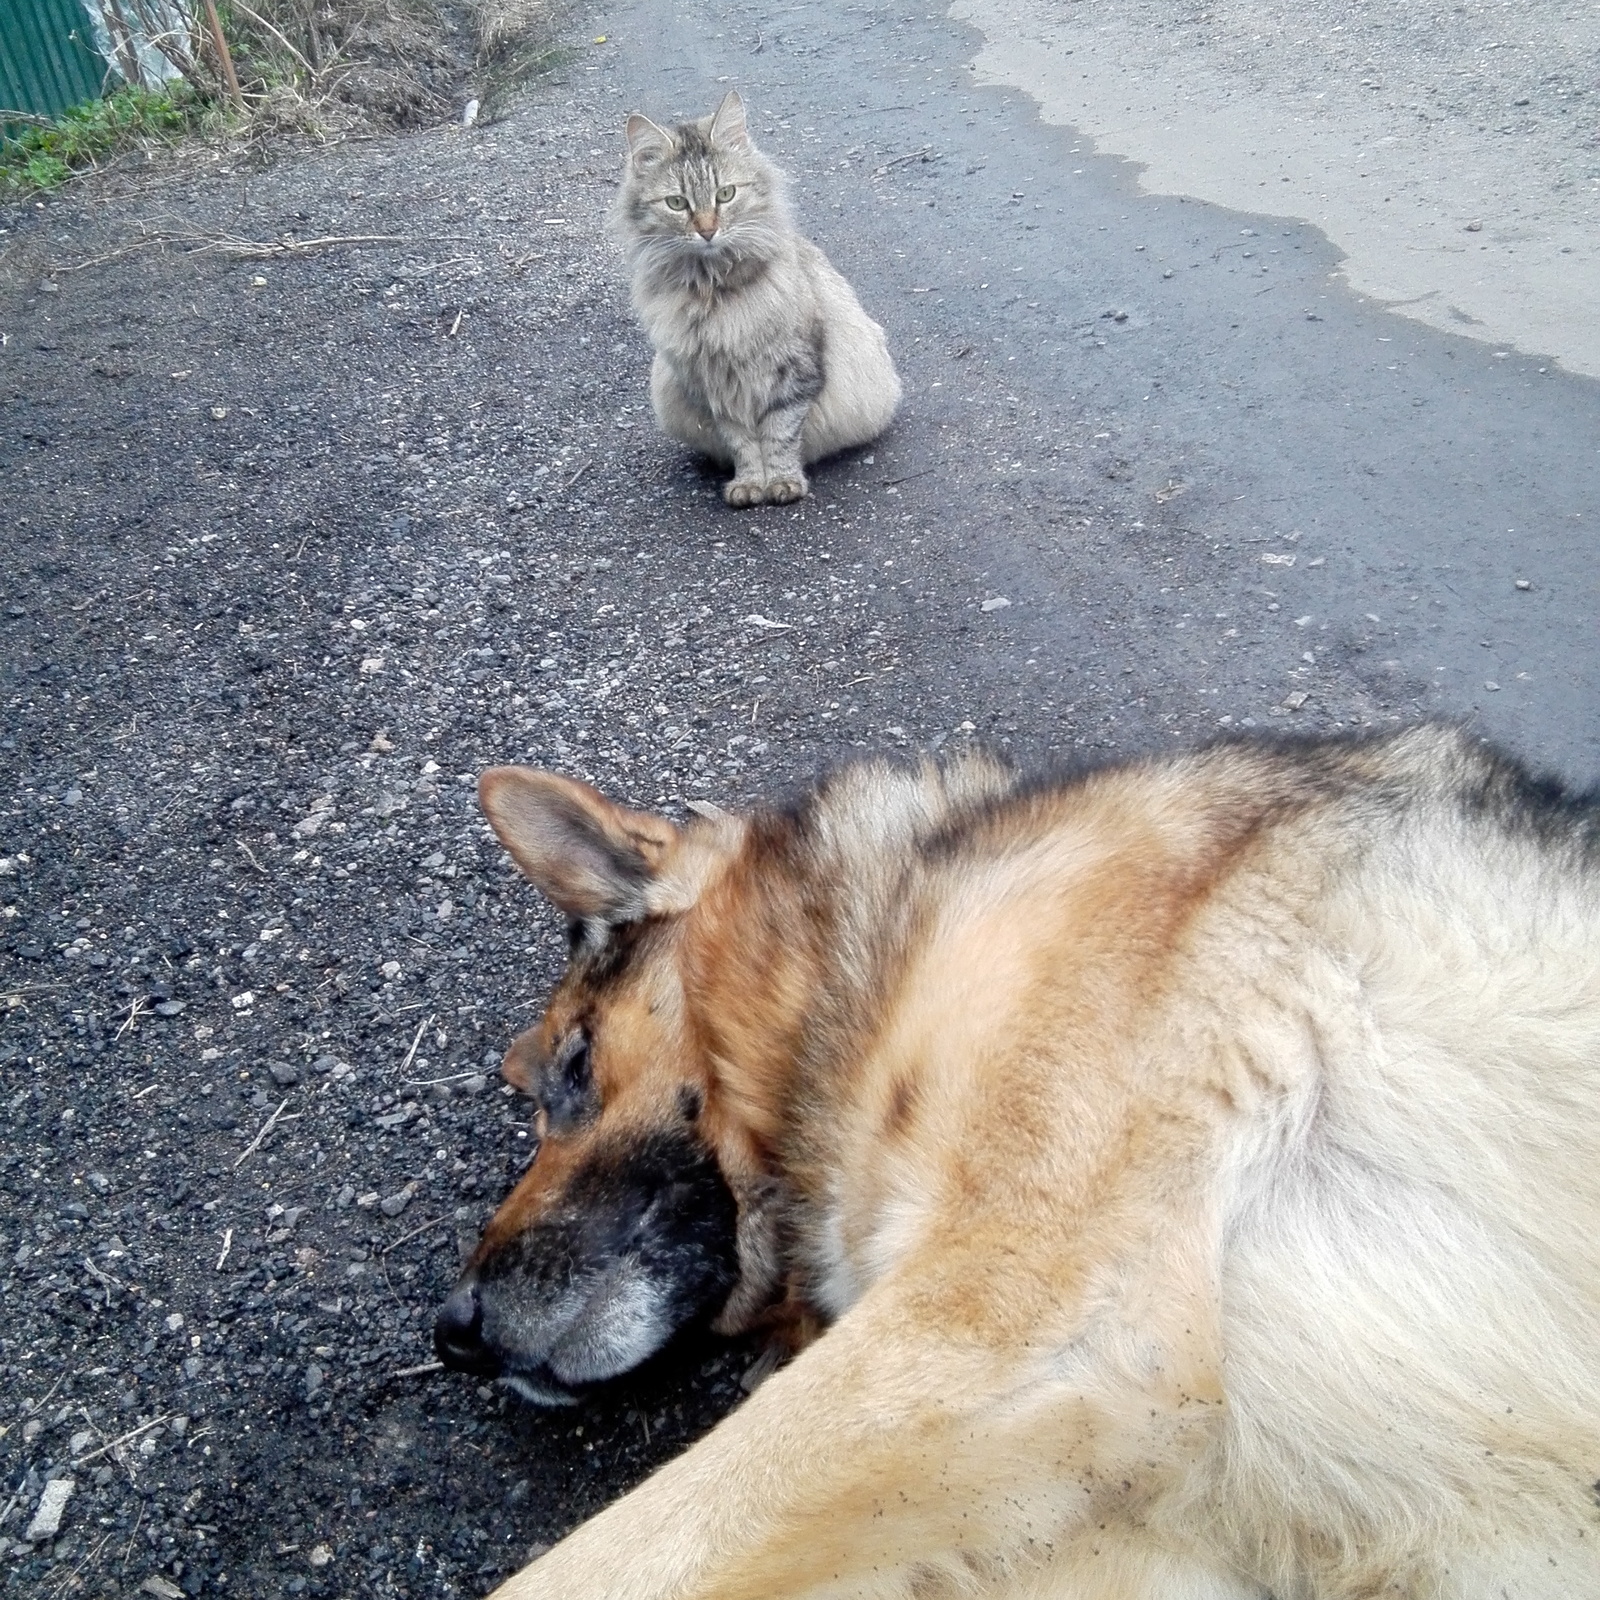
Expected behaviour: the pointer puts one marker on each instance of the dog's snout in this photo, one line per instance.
(458, 1330)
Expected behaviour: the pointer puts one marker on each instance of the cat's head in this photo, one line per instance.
(702, 190)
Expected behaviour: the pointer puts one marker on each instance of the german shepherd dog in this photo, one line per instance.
(1192, 1169)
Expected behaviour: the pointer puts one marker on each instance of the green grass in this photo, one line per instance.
(86, 136)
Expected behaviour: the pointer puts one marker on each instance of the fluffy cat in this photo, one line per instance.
(764, 357)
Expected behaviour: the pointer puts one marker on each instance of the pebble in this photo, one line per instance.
(284, 1075)
(998, 603)
(1522, 583)
(52, 1507)
(392, 1205)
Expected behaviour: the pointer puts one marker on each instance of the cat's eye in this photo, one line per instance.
(726, 193)
(676, 202)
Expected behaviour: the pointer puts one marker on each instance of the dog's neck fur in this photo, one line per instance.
(781, 962)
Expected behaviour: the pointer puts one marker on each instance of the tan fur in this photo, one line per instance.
(1197, 1165)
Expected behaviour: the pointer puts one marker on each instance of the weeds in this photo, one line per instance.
(87, 136)
(317, 68)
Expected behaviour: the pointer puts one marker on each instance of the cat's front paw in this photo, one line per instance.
(784, 491)
(742, 492)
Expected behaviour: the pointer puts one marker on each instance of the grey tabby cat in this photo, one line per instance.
(764, 357)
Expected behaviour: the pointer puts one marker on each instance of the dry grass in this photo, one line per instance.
(306, 69)
(394, 63)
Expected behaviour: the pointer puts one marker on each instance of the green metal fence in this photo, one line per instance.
(48, 59)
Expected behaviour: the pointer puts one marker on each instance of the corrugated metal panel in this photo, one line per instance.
(47, 57)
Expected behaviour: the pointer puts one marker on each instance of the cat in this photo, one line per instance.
(764, 359)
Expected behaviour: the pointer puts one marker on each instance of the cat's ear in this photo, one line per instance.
(728, 123)
(646, 142)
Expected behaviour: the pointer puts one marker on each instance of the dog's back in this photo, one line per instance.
(1410, 1274)
(1380, 964)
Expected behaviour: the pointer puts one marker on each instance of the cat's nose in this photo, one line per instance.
(705, 224)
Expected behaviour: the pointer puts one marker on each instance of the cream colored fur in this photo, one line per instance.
(1245, 1241)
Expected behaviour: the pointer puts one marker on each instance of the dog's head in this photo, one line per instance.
(646, 1207)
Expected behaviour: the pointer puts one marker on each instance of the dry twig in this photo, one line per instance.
(121, 1438)
(251, 1148)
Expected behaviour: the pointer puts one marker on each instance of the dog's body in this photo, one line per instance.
(1197, 1165)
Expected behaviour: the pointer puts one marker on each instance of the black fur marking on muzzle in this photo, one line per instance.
(642, 1244)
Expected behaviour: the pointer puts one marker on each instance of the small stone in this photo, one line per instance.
(282, 1074)
(368, 1200)
(998, 603)
(243, 1001)
(371, 665)
(392, 1205)
(163, 1590)
(390, 970)
(320, 1555)
(1522, 583)
(80, 1442)
(73, 797)
(52, 1507)
(98, 1181)
(476, 1084)
(345, 1197)
(1494, 687)
(1475, 226)
(174, 1322)
(314, 1376)
(219, 412)
(171, 1008)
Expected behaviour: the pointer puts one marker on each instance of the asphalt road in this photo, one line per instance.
(1076, 351)
(298, 540)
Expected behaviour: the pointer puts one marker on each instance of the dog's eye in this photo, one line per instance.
(726, 193)
(568, 1092)
(676, 202)
(575, 1072)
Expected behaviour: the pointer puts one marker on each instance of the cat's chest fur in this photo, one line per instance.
(735, 320)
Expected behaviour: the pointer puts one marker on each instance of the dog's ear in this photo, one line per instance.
(647, 143)
(728, 125)
(589, 857)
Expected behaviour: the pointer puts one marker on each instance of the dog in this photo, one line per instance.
(1191, 1167)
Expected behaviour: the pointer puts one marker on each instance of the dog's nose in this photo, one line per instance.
(458, 1330)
